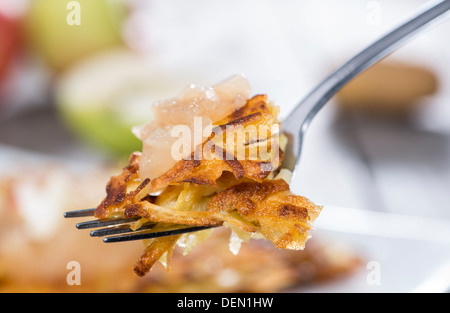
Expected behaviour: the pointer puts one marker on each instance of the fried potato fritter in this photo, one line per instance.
(219, 188)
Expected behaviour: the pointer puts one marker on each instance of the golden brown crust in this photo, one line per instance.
(209, 171)
(244, 197)
(259, 106)
(116, 189)
(284, 218)
(153, 253)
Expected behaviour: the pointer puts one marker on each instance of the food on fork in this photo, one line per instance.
(210, 157)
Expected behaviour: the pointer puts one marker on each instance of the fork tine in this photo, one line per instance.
(124, 232)
(121, 229)
(79, 213)
(148, 235)
(105, 222)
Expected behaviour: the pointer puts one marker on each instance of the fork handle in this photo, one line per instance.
(298, 121)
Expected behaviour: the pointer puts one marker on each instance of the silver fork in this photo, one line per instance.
(294, 126)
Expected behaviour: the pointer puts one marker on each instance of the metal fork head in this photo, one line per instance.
(119, 229)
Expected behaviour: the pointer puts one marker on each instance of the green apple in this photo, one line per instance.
(64, 31)
(105, 95)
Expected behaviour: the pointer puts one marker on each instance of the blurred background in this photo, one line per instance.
(75, 76)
